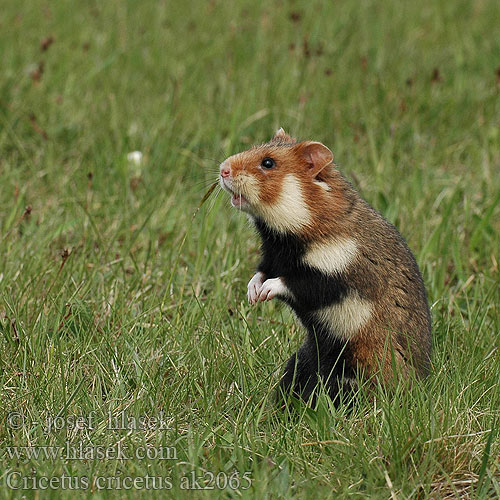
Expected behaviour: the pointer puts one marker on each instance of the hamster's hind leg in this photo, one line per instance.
(298, 380)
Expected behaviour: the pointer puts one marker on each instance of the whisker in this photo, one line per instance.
(204, 183)
(213, 160)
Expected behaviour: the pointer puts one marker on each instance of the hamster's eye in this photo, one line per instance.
(268, 163)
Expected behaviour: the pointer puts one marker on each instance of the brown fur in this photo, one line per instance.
(384, 272)
(322, 204)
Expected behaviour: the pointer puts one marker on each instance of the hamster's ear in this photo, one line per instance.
(317, 156)
(282, 136)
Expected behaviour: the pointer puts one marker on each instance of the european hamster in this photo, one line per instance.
(346, 272)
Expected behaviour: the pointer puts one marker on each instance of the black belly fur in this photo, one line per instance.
(324, 355)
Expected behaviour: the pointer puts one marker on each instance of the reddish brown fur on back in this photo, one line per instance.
(328, 208)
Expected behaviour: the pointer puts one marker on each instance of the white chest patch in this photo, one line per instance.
(289, 212)
(346, 318)
(332, 256)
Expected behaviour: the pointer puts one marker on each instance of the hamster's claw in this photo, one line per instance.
(254, 285)
(271, 288)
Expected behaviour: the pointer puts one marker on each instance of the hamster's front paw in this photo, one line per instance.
(272, 287)
(254, 285)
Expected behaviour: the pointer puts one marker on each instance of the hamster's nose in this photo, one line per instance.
(225, 170)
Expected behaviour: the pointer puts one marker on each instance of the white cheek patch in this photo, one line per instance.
(289, 213)
(346, 318)
(333, 256)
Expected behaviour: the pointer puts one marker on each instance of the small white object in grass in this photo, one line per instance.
(135, 157)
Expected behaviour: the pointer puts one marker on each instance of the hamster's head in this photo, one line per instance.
(281, 182)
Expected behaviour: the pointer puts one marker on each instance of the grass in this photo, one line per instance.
(114, 299)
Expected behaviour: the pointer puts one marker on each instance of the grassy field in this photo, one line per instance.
(116, 303)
